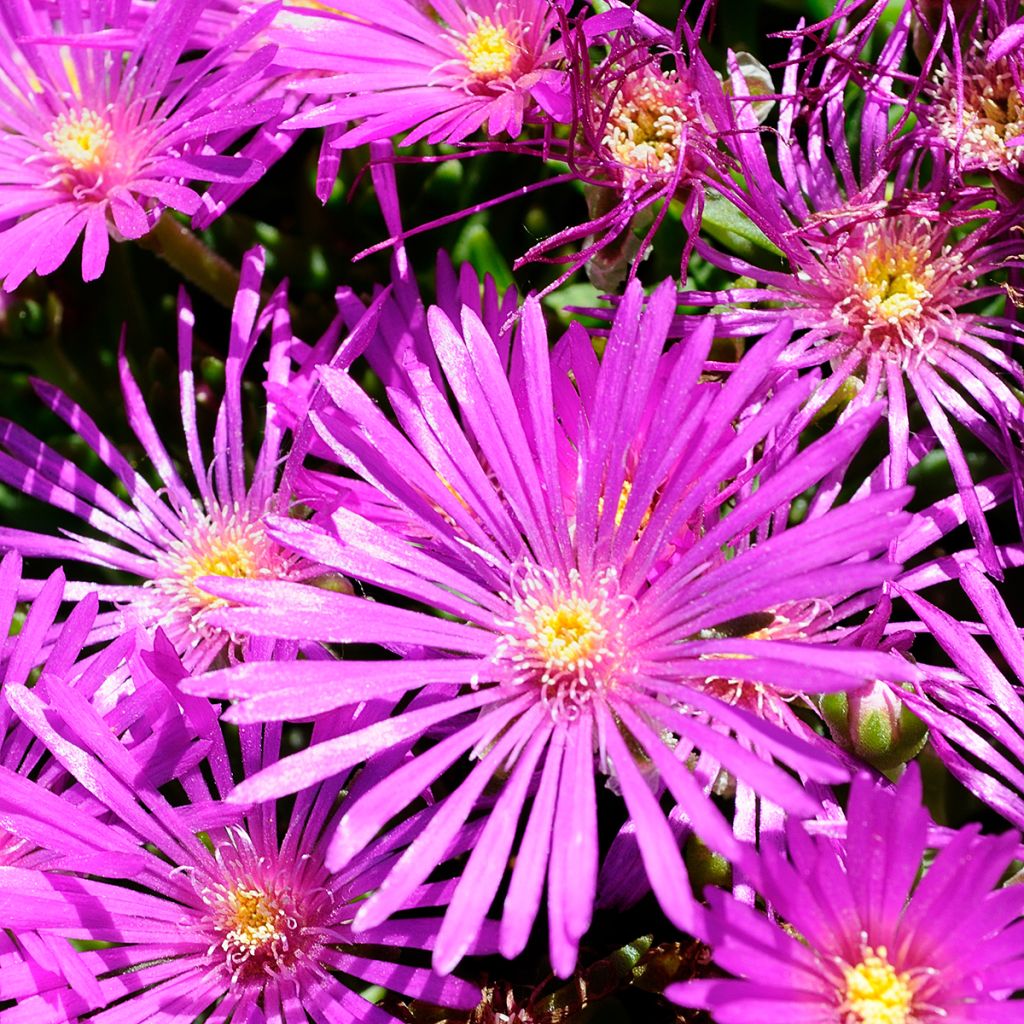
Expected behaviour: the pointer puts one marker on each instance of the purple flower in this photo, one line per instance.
(974, 118)
(598, 539)
(41, 802)
(224, 912)
(439, 73)
(169, 539)
(864, 940)
(643, 134)
(883, 279)
(104, 122)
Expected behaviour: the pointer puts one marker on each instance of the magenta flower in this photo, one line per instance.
(643, 134)
(224, 913)
(167, 540)
(105, 121)
(574, 530)
(440, 73)
(884, 286)
(41, 802)
(865, 941)
(974, 119)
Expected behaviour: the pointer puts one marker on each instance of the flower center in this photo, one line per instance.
(892, 289)
(82, 140)
(992, 116)
(876, 993)
(262, 915)
(489, 51)
(789, 621)
(565, 637)
(644, 126)
(892, 285)
(260, 929)
(228, 542)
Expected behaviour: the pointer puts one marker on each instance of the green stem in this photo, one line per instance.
(188, 254)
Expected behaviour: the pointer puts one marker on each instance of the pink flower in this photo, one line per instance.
(104, 122)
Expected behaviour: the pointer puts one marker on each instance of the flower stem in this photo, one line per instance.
(188, 254)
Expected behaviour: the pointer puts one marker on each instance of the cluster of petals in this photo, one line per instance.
(574, 532)
(105, 120)
(166, 539)
(476, 631)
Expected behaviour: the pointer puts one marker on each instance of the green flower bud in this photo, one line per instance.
(873, 723)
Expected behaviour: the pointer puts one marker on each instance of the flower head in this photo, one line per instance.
(860, 939)
(105, 121)
(440, 74)
(168, 541)
(589, 545)
(223, 910)
(885, 282)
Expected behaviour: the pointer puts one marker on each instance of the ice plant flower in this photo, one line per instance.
(860, 938)
(973, 120)
(439, 73)
(224, 913)
(35, 964)
(645, 131)
(577, 541)
(105, 121)
(169, 539)
(886, 285)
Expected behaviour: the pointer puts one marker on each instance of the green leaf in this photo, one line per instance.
(733, 229)
(476, 245)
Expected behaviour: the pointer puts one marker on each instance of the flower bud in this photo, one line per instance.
(873, 723)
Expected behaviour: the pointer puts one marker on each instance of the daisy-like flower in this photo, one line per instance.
(883, 282)
(440, 73)
(169, 539)
(864, 939)
(105, 121)
(35, 964)
(224, 914)
(577, 531)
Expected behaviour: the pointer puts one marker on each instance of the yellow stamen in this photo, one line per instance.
(876, 993)
(894, 284)
(568, 634)
(489, 51)
(254, 922)
(644, 127)
(82, 139)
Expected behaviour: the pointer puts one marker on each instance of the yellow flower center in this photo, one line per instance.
(894, 284)
(876, 993)
(565, 637)
(238, 550)
(489, 51)
(568, 635)
(253, 922)
(229, 542)
(82, 140)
